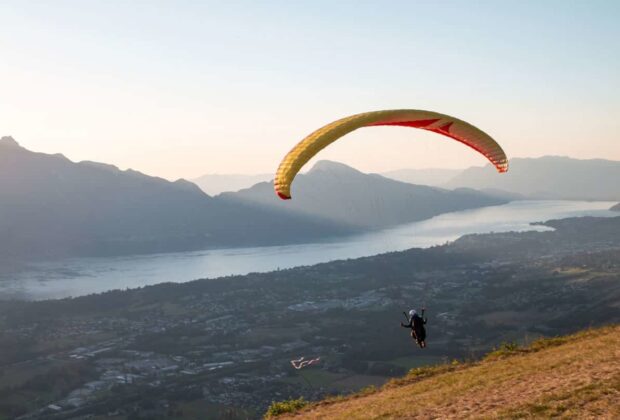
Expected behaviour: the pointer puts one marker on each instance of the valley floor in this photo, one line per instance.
(579, 379)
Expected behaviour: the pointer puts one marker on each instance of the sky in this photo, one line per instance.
(183, 88)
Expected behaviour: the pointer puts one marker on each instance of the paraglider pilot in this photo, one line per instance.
(416, 323)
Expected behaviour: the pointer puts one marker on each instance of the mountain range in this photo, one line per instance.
(549, 177)
(336, 192)
(51, 206)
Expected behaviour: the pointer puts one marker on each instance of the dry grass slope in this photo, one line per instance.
(576, 376)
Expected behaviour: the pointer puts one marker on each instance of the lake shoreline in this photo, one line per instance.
(83, 276)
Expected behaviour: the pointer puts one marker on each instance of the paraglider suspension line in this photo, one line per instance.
(306, 379)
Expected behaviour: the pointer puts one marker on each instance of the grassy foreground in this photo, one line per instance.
(576, 376)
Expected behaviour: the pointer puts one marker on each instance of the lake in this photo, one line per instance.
(81, 276)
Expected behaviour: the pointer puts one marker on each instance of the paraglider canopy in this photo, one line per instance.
(426, 120)
(302, 362)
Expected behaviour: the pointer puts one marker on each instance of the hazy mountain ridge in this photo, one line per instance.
(214, 184)
(52, 206)
(337, 192)
(433, 177)
(549, 177)
(615, 208)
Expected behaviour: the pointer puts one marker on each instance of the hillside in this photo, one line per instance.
(336, 192)
(51, 206)
(576, 376)
(615, 208)
(549, 177)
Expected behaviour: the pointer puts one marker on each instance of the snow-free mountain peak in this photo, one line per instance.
(9, 142)
(332, 168)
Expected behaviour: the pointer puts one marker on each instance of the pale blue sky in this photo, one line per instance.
(181, 88)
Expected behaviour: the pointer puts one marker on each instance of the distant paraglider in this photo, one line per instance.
(302, 362)
(426, 120)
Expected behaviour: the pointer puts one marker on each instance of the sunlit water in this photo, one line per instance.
(80, 276)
